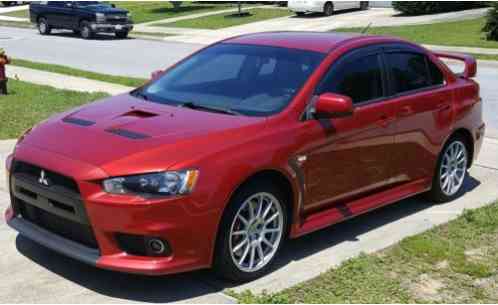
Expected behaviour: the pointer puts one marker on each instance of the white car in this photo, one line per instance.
(300, 7)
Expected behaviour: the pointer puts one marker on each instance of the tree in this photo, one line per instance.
(491, 26)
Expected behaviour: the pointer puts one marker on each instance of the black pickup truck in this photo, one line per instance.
(83, 17)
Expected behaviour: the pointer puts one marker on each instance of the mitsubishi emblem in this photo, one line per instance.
(43, 179)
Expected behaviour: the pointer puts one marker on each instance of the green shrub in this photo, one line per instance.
(491, 26)
(433, 7)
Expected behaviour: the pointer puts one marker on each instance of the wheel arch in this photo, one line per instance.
(469, 141)
(281, 179)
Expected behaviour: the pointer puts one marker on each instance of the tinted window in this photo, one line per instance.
(436, 74)
(408, 71)
(252, 80)
(57, 3)
(360, 79)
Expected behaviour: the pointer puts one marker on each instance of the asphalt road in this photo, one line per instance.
(106, 54)
(137, 57)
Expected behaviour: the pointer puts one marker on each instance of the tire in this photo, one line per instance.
(446, 187)
(364, 5)
(328, 9)
(246, 263)
(77, 32)
(43, 26)
(300, 14)
(122, 34)
(85, 30)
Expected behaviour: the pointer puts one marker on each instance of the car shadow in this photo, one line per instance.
(96, 37)
(174, 288)
(322, 15)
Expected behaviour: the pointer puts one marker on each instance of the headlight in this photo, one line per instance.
(164, 183)
(100, 17)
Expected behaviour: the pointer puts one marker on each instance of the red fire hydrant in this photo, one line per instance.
(4, 60)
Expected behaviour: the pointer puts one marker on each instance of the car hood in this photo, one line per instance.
(126, 132)
(104, 8)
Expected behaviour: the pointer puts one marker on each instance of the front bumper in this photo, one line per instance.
(190, 232)
(111, 28)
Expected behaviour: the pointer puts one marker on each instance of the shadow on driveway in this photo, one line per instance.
(176, 288)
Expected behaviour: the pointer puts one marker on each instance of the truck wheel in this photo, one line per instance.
(122, 34)
(43, 27)
(364, 5)
(252, 230)
(451, 171)
(328, 10)
(86, 30)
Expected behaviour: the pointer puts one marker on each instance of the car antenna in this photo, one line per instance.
(366, 28)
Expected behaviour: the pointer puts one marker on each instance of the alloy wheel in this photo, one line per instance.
(256, 232)
(453, 168)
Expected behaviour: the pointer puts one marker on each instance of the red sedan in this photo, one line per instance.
(248, 142)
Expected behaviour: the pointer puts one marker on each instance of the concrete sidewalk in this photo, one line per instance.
(59, 279)
(9, 9)
(62, 81)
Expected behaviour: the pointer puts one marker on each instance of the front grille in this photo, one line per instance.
(56, 207)
(33, 173)
(71, 230)
(116, 19)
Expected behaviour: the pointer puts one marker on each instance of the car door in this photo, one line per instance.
(349, 157)
(423, 108)
(56, 15)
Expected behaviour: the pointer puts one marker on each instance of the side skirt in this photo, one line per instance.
(342, 212)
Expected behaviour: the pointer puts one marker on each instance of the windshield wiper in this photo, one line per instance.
(192, 105)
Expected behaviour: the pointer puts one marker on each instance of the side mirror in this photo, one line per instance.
(156, 74)
(330, 105)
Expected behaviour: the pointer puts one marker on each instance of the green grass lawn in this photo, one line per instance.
(122, 80)
(20, 14)
(16, 24)
(453, 263)
(466, 33)
(28, 104)
(145, 11)
(219, 21)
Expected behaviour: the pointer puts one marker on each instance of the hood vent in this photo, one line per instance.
(76, 121)
(128, 134)
(140, 114)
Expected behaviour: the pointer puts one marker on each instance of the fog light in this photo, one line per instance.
(143, 245)
(156, 246)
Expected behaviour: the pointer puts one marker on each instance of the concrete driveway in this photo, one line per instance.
(33, 274)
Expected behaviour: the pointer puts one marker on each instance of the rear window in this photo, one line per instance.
(408, 71)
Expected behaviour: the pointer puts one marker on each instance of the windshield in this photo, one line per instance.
(245, 79)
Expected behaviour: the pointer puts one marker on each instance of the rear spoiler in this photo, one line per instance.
(469, 61)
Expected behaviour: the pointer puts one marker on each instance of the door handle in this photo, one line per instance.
(405, 111)
(444, 106)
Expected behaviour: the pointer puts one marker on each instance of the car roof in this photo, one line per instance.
(312, 41)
